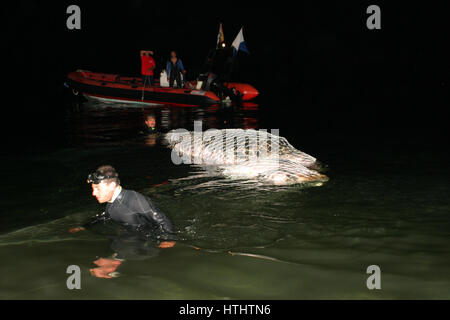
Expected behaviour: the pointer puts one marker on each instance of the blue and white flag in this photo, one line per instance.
(239, 43)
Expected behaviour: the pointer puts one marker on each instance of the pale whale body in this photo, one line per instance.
(249, 154)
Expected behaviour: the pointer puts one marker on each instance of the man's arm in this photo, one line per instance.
(103, 217)
(153, 66)
(168, 67)
(181, 66)
(152, 214)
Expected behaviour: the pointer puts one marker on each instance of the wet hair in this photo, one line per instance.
(109, 171)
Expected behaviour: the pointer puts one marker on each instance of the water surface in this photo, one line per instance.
(385, 206)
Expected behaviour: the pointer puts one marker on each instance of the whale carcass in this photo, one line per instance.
(239, 153)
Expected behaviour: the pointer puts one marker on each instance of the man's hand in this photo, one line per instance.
(167, 244)
(105, 268)
(102, 272)
(106, 262)
(74, 230)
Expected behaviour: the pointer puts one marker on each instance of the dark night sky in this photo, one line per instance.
(318, 57)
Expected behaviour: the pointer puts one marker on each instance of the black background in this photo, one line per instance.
(279, 309)
(316, 64)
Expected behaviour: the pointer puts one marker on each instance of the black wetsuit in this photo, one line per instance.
(142, 220)
(147, 130)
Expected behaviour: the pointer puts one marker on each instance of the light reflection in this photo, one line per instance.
(99, 123)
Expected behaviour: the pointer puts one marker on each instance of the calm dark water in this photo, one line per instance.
(386, 204)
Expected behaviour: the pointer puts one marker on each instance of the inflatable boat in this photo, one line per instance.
(116, 88)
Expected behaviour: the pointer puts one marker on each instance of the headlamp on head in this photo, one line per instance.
(97, 177)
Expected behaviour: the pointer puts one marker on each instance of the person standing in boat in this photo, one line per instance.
(174, 69)
(147, 67)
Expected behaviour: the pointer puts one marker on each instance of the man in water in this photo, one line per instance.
(147, 67)
(134, 211)
(150, 123)
(149, 129)
(174, 68)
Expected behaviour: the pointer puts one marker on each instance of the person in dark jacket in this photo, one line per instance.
(135, 212)
(174, 69)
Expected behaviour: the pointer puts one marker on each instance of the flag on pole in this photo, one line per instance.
(239, 43)
(220, 36)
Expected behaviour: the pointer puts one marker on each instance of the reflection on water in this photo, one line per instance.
(105, 123)
(239, 239)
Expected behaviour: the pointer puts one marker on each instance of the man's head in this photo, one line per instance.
(150, 121)
(104, 182)
(173, 54)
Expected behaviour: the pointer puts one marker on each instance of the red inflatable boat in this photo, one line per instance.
(116, 88)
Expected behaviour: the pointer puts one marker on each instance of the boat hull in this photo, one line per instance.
(113, 88)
